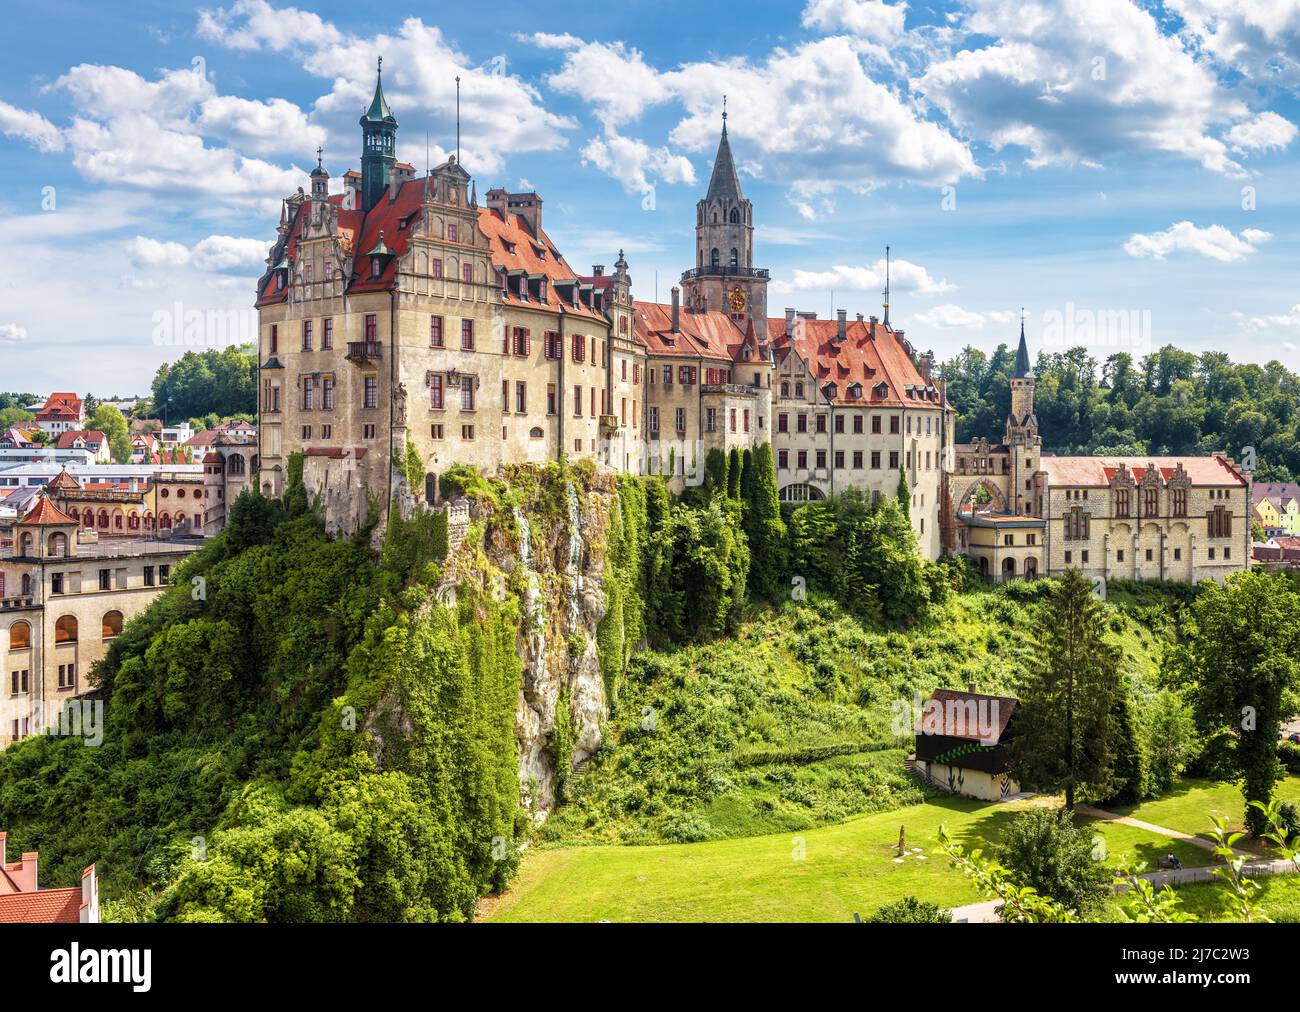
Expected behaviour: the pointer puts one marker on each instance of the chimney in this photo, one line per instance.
(89, 913)
(925, 366)
(970, 687)
(841, 324)
(789, 319)
(677, 309)
(597, 270)
(496, 202)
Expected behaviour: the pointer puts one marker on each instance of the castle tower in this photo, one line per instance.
(320, 179)
(1021, 423)
(378, 145)
(724, 277)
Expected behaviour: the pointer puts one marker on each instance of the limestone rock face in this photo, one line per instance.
(554, 560)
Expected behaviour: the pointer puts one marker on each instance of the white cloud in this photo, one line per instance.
(11, 333)
(215, 253)
(31, 127)
(871, 18)
(500, 112)
(1266, 131)
(275, 126)
(904, 276)
(1257, 38)
(1213, 241)
(633, 162)
(1076, 82)
(251, 25)
(950, 315)
(811, 117)
(1277, 321)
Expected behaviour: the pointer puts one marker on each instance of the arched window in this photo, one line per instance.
(165, 522)
(89, 518)
(715, 258)
(133, 521)
(117, 521)
(25, 543)
(112, 624)
(103, 519)
(430, 488)
(20, 636)
(236, 463)
(735, 257)
(65, 630)
(58, 543)
(735, 216)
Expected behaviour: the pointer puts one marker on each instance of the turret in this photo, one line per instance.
(378, 145)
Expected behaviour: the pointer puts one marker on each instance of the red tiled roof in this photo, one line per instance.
(64, 481)
(871, 354)
(66, 439)
(711, 334)
(1006, 705)
(336, 452)
(515, 248)
(45, 512)
(44, 906)
(60, 406)
(1098, 471)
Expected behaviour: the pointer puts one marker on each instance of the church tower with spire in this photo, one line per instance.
(724, 277)
(1022, 425)
(378, 145)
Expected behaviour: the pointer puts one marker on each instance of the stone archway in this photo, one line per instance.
(997, 494)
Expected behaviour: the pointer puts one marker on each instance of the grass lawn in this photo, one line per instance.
(1279, 896)
(824, 874)
(1190, 804)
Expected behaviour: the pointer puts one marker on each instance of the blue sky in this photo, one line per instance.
(1126, 171)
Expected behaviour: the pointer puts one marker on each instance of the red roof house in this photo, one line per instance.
(22, 901)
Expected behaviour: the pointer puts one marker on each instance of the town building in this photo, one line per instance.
(963, 744)
(60, 413)
(1023, 513)
(65, 593)
(92, 441)
(23, 901)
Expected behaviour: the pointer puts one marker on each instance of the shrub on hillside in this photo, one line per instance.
(1046, 849)
(909, 910)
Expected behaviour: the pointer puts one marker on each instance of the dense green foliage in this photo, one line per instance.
(1171, 402)
(909, 910)
(112, 423)
(1047, 850)
(1067, 735)
(210, 381)
(1243, 663)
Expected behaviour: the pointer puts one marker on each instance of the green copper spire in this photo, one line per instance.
(379, 111)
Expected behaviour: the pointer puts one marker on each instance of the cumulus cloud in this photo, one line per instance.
(1266, 131)
(1213, 241)
(811, 118)
(500, 112)
(1077, 82)
(871, 18)
(904, 276)
(11, 333)
(215, 253)
(949, 315)
(1278, 321)
(31, 127)
(633, 162)
(1260, 40)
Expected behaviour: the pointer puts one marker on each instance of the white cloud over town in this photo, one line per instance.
(1212, 241)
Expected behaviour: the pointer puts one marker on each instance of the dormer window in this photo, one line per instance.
(376, 267)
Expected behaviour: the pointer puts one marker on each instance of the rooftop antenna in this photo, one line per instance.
(886, 306)
(457, 119)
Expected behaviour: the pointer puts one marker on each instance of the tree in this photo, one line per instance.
(904, 494)
(110, 421)
(12, 416)
(764, 527)
(1066, 736)
(224, 382)
(734, 475)
(1171, 740)
(1047, 850)
(909, 910)
(1243, 661)
(1129, 781)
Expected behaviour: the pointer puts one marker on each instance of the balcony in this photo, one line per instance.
(609, 423)
(21, 601)
(364, 351)
(721, 271)
(735, 389)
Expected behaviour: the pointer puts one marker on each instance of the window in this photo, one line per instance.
(839, 424)
(467, 432)
(711, 419)
(1179, 502)
(783, 459)
(371, 392)
(368, 430)
(435, 431)
(857, 460)
(802, 423)
(1083, 556)
(372, 328)
(1077, 525)
(327, 399)
(308, 393)
(550, 399)
(577, 401)
(327, 334)
(326, 432)
(521, 397)
(105, 579)
(1149, 554)
(467, 273)
(893, 460)
(801, 459)
(1178, 554)
(1220, 522)
(435, 332)
(148, 576)
(821, 424)
(782, 423)
(1119, 555)
(579, 347)
(56, 583)
(467, 393)
(275, 338)
(681, 420)
(67, 675)
(451, 232)
(875, 460)
(112, 624)
(65, 630)
(20, 636)
(437, 267)
(1151, 502)
(20, 681)
(435, 392)
(467, 335)
(523, 341)
(732, 418)
(893, 425)
(839, 460)
(652, 419)
(306, 335)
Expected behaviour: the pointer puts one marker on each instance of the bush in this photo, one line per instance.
(909, 910)
(1047, 850)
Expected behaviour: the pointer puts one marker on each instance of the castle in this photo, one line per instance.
(401, 317)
